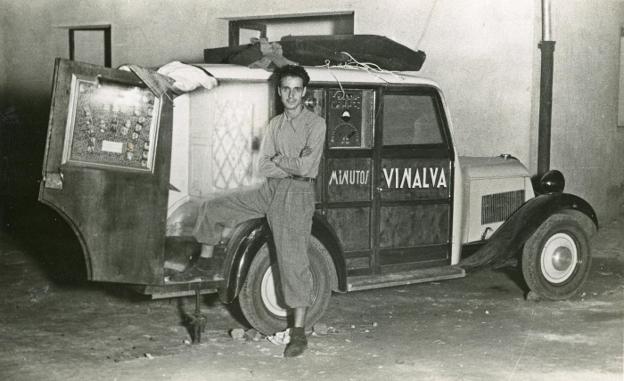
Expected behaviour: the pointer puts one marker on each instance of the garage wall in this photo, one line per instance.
(3, 58)
(143, 32)
(482, 55)
(470, 46)
(587, 145)
(482, 52)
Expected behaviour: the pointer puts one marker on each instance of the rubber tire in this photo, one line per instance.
(252, 305)
(532, 256)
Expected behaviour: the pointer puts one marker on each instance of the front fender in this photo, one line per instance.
(509, 239)
(251, 235)
(239, 255)
(322, 230)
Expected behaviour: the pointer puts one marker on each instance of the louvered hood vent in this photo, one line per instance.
(498, 207)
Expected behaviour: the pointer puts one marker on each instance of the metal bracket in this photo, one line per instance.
(53, 180)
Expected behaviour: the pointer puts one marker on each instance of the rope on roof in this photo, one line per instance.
(353, 64)
(329, 66)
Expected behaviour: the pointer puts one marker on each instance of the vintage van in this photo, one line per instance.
(127, 165)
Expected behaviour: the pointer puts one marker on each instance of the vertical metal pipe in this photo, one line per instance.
(546, 31)
(547, 48)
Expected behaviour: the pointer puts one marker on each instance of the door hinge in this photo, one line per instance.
(53, 180)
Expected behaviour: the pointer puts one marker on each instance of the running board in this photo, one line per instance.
(367, 282)
(176, 290)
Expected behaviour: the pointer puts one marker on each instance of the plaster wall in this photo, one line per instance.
(482, 52)
(3, 57)
(586, 142)
(144, 32)
(470, 45)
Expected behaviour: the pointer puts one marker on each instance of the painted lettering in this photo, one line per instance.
(434, 175)
(395, 178)
(414, 178)
(407, 176)
(417, 183)
(442, 180)
(349, 177)
(333, 178)
(388, 177)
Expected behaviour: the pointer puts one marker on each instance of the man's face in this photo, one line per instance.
(291, 90)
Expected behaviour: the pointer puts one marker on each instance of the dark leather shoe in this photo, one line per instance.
(296, 346)
(199, 270)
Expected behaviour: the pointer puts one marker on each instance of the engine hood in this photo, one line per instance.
(503, 166)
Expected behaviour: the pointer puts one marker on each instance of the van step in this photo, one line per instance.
(176, 290)
(367, 282)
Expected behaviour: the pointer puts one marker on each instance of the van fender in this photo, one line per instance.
(509, 239)
(249, 236)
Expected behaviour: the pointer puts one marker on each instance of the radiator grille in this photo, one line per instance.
(499, 206)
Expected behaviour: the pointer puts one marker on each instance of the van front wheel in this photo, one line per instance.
(556, 258)
(261, 300)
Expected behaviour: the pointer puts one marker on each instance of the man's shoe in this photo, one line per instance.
(298, 343)
(196, 271)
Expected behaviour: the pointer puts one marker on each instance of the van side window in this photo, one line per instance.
(410, 119)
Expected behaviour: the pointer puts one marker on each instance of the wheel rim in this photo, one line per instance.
(269, 294)
(559, 258)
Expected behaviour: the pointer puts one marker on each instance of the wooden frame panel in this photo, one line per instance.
(118, 215)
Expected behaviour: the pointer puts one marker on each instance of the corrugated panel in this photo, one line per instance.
(499, 206)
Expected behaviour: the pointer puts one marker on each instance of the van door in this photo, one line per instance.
(348, 173)
(106, 169)
(413, 166)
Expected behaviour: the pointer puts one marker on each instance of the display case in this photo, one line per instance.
(111, 124)
(350, 118)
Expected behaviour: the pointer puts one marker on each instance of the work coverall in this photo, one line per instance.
(286, 198)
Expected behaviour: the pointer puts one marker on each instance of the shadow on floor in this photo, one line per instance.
(45, 237)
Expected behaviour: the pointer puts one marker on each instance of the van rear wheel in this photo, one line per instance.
(260, 298)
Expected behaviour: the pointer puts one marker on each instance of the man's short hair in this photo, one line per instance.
(291, 71)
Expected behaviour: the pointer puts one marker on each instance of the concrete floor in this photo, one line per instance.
(476, 328)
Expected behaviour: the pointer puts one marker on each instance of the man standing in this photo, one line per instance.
(290, 155)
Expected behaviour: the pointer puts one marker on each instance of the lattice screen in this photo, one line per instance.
(231, 144)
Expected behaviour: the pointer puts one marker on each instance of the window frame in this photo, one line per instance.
(260, 23)
(440, 117)
(235, 26)
(107, 40)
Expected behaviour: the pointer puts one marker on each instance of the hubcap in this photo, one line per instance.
(269, 295)
(559, 258)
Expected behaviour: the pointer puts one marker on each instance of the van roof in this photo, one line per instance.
(322, 74)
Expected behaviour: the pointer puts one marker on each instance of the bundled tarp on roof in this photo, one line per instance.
(332, 49)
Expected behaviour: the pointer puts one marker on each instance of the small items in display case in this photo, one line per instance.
(111, 124)
(350, 118)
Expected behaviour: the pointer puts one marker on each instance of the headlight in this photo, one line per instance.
(552, 181)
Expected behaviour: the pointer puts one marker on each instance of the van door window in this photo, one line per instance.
(410, 119)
